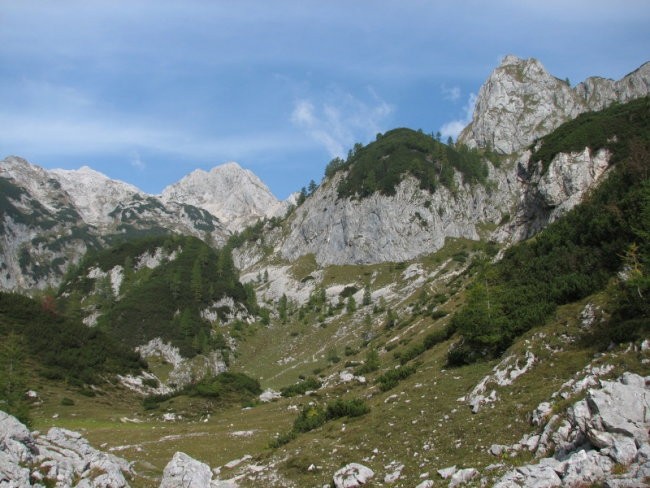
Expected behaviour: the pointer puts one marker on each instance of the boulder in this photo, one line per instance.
(352, 476)
(586, 467)
(187, 472)
(447, 472)
(462, 476)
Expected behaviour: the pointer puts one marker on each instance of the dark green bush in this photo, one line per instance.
(346, 408)
(392, 377)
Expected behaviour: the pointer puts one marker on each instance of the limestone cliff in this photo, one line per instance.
(521, 101)
(393, 228)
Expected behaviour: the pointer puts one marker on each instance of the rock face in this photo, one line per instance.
(544, 196)
(60, 458)
(521, 102)
(610, 426)
(234, 195)
(391, 228)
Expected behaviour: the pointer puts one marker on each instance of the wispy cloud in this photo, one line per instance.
(137, 162)
(451, 93)
(454, 127)
(40, 136)
(341, 120)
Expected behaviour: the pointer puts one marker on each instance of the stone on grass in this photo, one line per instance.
(187, 472)
(352, 476)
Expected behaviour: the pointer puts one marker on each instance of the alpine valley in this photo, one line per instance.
(469, 313)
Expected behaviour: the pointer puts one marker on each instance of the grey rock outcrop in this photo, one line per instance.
(187, 472)
(544, 196)
(610, 426)
(61, 458)
(521, 101)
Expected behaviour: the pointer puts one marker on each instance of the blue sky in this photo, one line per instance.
(148, 90)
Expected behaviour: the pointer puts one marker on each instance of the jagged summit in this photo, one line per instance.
(521, 101)
(233, 194)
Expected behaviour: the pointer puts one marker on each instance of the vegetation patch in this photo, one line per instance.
(382, 165)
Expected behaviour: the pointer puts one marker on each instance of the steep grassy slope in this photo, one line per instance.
(35, 339)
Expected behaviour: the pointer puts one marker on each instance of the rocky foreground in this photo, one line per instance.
(603, 438)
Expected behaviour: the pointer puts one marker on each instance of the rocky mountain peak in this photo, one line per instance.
(94, 194)
(521, 102)
(233, 194)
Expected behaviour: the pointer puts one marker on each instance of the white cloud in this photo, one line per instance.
(454, 127)
(451, 93)
(341, 120)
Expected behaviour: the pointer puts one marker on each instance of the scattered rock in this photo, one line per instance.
(503, 374)
(352, 476)
(395, 471)
(610, 426)
(269, 395)
(425, 484)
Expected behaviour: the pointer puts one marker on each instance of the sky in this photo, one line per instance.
(147, 91)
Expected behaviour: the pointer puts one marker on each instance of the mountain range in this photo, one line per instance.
(519, 102)
(430, 314)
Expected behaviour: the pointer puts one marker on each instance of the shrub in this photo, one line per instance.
(301, 387)
(311, 417)
(67, 401)
(346, 408)
(392, 377)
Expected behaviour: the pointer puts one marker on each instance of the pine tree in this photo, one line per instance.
(351, 306)
(282, 308)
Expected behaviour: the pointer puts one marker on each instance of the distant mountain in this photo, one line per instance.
(236, 196)
(94, 194)
(51, 218)
(397, 198)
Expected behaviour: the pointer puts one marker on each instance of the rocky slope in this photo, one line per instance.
(521, 101)
(234, 195)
